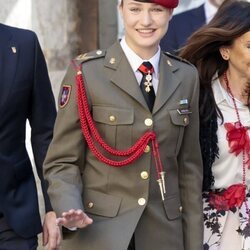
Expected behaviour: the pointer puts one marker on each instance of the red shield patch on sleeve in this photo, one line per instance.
(65, 95)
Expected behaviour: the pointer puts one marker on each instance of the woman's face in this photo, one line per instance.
(145, 24)
(239, 56)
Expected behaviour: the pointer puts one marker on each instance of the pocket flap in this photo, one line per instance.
(101, 204)
(112, 115)
(172, 207)
(178, 119)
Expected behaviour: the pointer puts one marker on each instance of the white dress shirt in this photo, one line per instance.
(135, 61)
(210, 11)
(227, 169)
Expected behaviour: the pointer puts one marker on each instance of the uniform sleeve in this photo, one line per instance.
(190, 177)
(66, 152)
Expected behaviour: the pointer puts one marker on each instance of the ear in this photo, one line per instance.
(224, 51)
(171, 11)
(119, 8)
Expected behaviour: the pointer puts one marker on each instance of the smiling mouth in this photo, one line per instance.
(145, 31)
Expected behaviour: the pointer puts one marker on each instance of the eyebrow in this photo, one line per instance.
(134, 3)
(141, 3)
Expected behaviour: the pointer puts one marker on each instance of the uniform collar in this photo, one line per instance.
(135, 61)
(210, 11)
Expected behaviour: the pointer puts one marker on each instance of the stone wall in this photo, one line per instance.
(65, 30)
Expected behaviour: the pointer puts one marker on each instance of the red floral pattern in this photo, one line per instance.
(219, 203)
(228, 199)
(238, 140)
(215, 211)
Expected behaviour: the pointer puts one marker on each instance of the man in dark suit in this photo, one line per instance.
(184, 24)
(25, 95)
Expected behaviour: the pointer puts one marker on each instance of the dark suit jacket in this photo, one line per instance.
(25, 94)
(181, 27)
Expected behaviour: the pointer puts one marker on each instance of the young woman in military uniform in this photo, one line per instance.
(124, 167)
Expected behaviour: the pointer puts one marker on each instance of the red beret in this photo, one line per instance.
(170, 4)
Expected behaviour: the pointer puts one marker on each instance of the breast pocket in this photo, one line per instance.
(180, 121)
(101, 204)
(114, 125)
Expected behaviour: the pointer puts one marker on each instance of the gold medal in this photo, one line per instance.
(147, 88)
(148, 82)
(148, 77)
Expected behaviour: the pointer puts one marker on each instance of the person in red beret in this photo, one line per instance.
(124, 167)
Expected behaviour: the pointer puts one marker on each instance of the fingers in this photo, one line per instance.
(61, 221)
(45, 235)
(59, 238)
(51, 232)
(86, 221)
(74, 218)
(54, 239)
(72, 213)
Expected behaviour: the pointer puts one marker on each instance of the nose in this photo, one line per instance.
(146, 19)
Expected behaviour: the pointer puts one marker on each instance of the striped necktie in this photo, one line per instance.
(146, 85)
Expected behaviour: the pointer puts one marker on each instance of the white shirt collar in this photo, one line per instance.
(210, 11)
(135, 61)
(221, 95)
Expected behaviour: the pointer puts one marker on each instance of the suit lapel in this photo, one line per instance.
(8, 60)
(123, 75)
(199, 18)
(167, 82)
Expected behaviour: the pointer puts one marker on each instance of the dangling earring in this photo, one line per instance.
(225, 57)
(224, 51)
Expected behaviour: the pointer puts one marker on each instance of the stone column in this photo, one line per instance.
(65, 28)
(108, 27)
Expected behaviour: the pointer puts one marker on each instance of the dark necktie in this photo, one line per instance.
(146, 86)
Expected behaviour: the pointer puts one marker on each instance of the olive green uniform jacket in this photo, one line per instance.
(126, 201)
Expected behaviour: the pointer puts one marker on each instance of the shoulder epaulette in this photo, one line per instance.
(178, 58)
(90, 56)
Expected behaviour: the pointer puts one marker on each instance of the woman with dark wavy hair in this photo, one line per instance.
(221, 52)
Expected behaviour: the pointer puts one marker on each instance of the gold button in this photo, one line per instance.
(148, 122)
(90, 205)
(13, 50)
(185, 120)
(112, 60)
(180, 208)
(141, 201)
(147, 149)
(144, 175)
(98, 52)
(112, 118)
